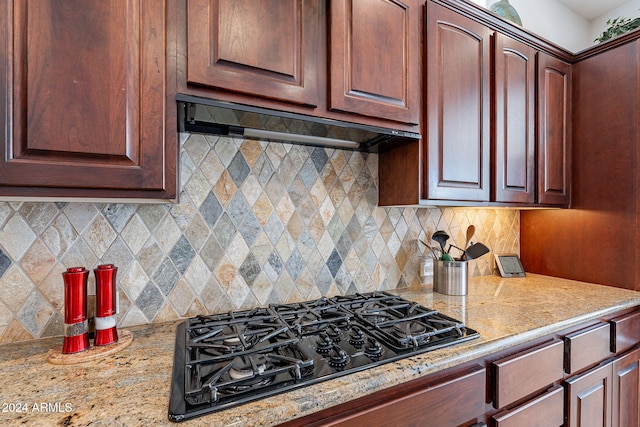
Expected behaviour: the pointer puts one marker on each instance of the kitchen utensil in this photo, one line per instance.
(106, 331)
(471, 230)
(441, 237)
(433, 251)
(476, 251)
(76, 325)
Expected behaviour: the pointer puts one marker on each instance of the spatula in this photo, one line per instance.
(476, 251)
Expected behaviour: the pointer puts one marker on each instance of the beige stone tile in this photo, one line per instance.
(38, 261)
(251, 150)
(263, 208)
(225, 189)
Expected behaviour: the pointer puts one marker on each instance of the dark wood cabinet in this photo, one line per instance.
(544, 410)
(85, 97)
(626, 390)
(266, 48)
(374, 58)
(458, 116)
(454, 399)
(589, 397)
(351, 60)
(483, 143)
(515, 121)
(604, 223)
(554, 140)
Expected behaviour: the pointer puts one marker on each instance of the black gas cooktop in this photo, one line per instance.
(227, 359)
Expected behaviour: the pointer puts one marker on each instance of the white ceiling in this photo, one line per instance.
(590, 9)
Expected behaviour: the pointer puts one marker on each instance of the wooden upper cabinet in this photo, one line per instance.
(554, 140)
(374, 58)
(515, 125)
(266, 48)
(457, 107)
(83, 89)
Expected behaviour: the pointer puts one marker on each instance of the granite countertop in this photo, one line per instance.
(131, 388)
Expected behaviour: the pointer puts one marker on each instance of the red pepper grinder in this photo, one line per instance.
(76, 326)
(105, 320)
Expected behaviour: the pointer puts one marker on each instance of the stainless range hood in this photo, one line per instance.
(207, 116)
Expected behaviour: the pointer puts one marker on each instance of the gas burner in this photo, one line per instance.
(243, 367)
(408, 330)
(227, 359)
(373, 349)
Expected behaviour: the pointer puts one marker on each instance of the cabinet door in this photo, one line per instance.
(83, 99)
(374, 58)
(458, 115)
(554, 140)
(266, 48)
(626, 390)
(589, 398)
(515, 136)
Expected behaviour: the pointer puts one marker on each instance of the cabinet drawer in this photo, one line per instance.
(455, 400)
(546, 410)
(586, 347)
(625, 332)
(515, 378)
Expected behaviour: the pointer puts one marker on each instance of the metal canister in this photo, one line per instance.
(76, 326)
(106, 303)
(451, 277)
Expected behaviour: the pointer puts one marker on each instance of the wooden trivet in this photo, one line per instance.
(56, 357)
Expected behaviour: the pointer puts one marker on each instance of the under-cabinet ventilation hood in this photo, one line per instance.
(200, 115)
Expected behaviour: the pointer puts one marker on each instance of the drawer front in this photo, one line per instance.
(587, 347)
(515, 376)
(625, 332)
(546, 410)
(453, 401)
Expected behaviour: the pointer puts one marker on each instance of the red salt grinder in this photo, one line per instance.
(105, 320)
(76, 326)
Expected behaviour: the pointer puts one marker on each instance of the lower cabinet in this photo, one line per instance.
(586, 376)
(589, 397)
(625, 408)
(544, 410)
(457, 399)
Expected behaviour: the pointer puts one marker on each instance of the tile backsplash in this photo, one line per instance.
(257, 223)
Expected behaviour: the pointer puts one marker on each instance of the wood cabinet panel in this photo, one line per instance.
(604, 151)
(625, 332)
(453, 399)
(513, 378)
(266, 48)
(85, 93)
(544, 411)
(554, 140)
(458, 115)
(376, 72)
(587, 347)
(515, 124)
(452, 402)
(626, 390)
(589, 398)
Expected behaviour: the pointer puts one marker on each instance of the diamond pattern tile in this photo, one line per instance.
(258, 223)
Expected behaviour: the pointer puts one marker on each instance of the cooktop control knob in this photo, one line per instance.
(334, 332)
(373, 348)
(356, 336)
(324, 343)
(338, 357)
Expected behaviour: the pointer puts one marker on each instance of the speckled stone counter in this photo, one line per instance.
(131, 388)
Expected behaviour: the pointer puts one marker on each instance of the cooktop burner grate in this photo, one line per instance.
(227, 359)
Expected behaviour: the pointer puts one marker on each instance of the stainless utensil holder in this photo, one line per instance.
(451, 277)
